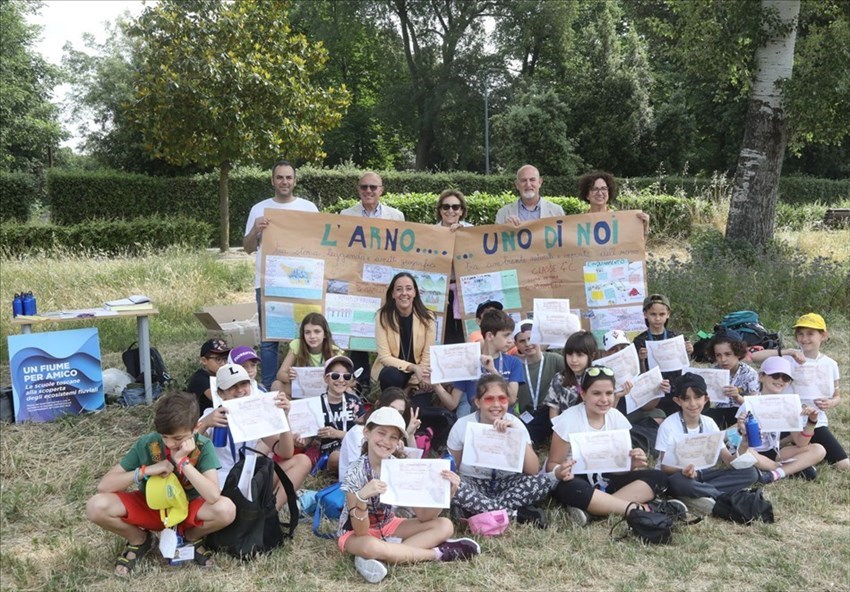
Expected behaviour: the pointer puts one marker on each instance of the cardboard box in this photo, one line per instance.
(237, 324)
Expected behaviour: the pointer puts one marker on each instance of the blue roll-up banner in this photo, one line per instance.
(55, 373)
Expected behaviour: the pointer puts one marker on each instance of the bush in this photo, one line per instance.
(18, 192)
(776, 281)
(109, 237)
(805, 190)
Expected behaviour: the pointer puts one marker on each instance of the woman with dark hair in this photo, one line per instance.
(451, 211)
(599, 189)
(405, 331)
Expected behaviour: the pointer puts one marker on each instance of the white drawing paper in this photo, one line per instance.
(601, 452)
(460, 361)
(416, 483)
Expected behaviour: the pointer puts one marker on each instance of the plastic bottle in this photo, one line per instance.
(28, 302)
(17, 306)
(753, 431)
(448, 456)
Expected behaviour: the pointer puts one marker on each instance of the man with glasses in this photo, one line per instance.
(283, 182)
(529, 206)
(370, 186)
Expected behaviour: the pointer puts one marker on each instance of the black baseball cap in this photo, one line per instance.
(488, 304)
(214, 346)
(686, 381)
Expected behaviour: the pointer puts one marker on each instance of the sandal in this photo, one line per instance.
(203, 558)
(137, 552)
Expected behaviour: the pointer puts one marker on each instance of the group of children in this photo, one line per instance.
(544, 396)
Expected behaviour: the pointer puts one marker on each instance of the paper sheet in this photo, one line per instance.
(247, 476)
(715, 380)
(416, 483)
(255, 416)
(306, 417)
(460, 361)
(485, 447)
(669, 354)
(776, 413)
(625, 364)
(309, 382)
(700, 450)
(601, 452)
(646, 387)
(554, 322)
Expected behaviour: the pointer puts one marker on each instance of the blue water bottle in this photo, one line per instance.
(28, 303)
(219, 436)
(448, 456)
(17, 306)
(753, 431)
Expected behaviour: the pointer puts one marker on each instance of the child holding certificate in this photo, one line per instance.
(488, 489)
(728, 350)
(602, 494)
(800, 457)
(341, 409)
(370, 531)
(313, 347)
(579, 351)
(698, 488)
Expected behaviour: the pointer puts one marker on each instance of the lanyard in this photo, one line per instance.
(500, 367)
(379, 514)
(535, 392)
(684, 425)
(662, 338)
(326, 403)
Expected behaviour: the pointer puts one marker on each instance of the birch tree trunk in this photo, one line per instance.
(752, 210)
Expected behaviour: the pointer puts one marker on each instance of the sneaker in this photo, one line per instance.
(699, 505)
(766, 477)
(372, 570)
(809, 474)
(459, 549)
(532, 515)
(673, 508)
(577, 516)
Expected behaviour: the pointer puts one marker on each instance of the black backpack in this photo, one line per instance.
(132, 359)
(744, 507)
(655, 528)
(257, 527)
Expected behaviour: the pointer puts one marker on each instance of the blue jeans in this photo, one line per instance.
(268, 352)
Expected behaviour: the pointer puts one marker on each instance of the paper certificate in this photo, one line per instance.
(715, 380)
(416, 483)
(255, 416)
(487, 448)
(554, 322)
(700, 450)
(776, 413)
(309, 382)
(645, 388)
(460, 361)
(669, 354)
(811, 383)
(601, 452)
(306, 417)
(624, 363)
(413, 452)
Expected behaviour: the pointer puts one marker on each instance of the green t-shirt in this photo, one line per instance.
(552, 364)
(150, 449)
(316, 360)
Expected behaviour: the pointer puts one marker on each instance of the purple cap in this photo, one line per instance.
(241, 354)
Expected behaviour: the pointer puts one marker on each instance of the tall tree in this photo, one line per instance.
(752, 211)
(29, 126)
(224, 83)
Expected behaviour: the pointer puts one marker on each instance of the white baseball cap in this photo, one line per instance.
(230, 375)
(614, 337)
(387, 416)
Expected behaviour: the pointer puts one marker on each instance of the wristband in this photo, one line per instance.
(354, 515)
(142, 472)
(136, 476)
(360, 499)
(182, 465)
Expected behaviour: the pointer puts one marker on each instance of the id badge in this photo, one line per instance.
(526, 417)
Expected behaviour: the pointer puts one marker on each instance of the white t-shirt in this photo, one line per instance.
(298, 204)
(456, 438)
(827, 367)
(227, 456)
(671, 428)
(351, 449)
(574, 420)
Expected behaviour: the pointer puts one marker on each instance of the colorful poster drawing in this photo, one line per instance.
(351, 317)
(609, 283)
(501, 286)
(282, 319)
(294, 277)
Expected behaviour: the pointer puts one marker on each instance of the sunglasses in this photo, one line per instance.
(597, 370)
(338, 375)
(780, 376)
(490, 399)
(447, 207)
(364, 187)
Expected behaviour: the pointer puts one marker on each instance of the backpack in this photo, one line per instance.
(746, 322)
(257, 527)
(744, 507)
(132, 359)
(655, 528)
(329, 503)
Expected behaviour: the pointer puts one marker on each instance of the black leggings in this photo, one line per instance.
(834, 451)
(578, 491)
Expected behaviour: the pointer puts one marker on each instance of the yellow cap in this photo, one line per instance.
(167, 495)
(811, 321)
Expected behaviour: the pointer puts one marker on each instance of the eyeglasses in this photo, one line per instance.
(490, 399)
(338, 375)
(364, 187)
(218, 359)
(780, 376)
(599, 190)
(597, 370)
(446, 207)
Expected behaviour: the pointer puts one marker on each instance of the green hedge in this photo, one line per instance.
(18, 192)
(109, 237)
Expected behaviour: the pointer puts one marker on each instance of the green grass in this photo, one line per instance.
(47, 471)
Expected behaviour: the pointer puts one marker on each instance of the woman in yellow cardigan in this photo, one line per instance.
(405, 331)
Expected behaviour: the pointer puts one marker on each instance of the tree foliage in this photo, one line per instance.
(29, 124)
(224, 83)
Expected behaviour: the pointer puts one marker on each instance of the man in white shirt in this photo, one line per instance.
(283, 181)
(529, 206)
(370, 187)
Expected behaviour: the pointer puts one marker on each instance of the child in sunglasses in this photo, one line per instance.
(485, 490)
(775, 462)
(341, 408)
(604, 493)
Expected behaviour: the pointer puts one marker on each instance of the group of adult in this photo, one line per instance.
(405, 328)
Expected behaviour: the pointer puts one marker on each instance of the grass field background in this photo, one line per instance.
(47, 471)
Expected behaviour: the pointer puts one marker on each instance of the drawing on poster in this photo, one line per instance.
(432, 286)
(613, 282)
(622, 318)
(294, 277)
(352, 318)
(283, 318)
(501, 286)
